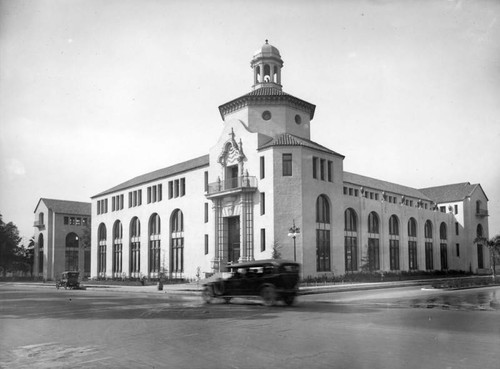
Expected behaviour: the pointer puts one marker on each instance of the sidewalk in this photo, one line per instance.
(196, 288)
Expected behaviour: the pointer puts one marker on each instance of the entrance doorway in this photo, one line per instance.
(233, 239)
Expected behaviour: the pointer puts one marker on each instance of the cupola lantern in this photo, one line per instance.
(266, 64)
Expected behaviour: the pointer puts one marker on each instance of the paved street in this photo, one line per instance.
(407, 328)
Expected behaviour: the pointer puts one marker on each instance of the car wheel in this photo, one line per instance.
(268, 295)
(289, 299)
(227, 300)
(207, 297)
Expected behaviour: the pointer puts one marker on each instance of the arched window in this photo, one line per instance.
(101, 238)
(40, 219)
(135, 247)
(394, 242)
(373, 223)
(443, 231)
(117, 248)
(322, 209)
(177, 242)
(479, 231)
(394, 225)
(428, 229)
(350, 240)
(154, 244)
(412, 244)
(373, 242)
(350, 220)
(40, 254)
(323, 234)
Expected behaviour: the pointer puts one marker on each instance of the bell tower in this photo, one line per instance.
(266, 64)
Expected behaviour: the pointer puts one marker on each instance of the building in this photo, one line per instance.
(59, 228)
(261, 178)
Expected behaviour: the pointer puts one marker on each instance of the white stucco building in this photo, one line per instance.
(263, 175)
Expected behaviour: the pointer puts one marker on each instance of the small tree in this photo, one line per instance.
(493, 245)
(276, 251)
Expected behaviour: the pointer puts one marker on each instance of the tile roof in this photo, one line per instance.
(265, 94)
(384, 186)
(201, 161)
(451, 192)
(287, 139)
(66, 207)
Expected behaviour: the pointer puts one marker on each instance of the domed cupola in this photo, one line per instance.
(267, 64)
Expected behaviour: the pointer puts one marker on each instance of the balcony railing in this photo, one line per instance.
(236, 183)
(481, 212)
(38, 224)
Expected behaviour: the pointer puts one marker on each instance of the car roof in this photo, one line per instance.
(275, 262)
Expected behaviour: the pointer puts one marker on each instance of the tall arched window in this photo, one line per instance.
(40, 254)
(412, 244)
(373, 242)
(323, 234)
(101, 261)
(135, 247)
(177, 242)
(154, 245)
(351, 240)
(117, 248)
(429, 262)
(479, 234)
(394, 242)
(443, 246)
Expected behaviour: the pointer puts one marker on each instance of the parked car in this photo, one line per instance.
(272, 280)
(69, 280)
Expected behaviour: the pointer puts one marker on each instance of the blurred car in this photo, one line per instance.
(69, 280)
(271, 279)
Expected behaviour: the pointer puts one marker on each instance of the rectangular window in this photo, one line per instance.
(330, 171)
(130, 199)
(134, 201)
(373, 254)
(315, 167)
(206, 181)
(351, 253)
(456, 228)
(345, 190)
(72, 221)
(429, 264)
(149, 195)
(206, 212)
(170, 189)
(442, 209)
(356, 193)
(456, 209)
(350, 192)
(176, 188)
(78, 221)
(457, 248)
(262, 239)
(322, 169)
(394, 254)
(113, 200)
(262, 167)
(287, 165)
(412, 255)
(206, 244)
(323, 250)
(85, 221)
(66, 219)
(139, 198)
(183, 186)
(262, 203)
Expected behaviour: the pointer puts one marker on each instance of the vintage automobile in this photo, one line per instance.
(272, 280)
(69, 280)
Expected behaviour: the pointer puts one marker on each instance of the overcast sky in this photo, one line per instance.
(93, 93)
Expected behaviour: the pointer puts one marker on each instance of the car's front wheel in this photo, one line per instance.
(268, 295)
(206, 295)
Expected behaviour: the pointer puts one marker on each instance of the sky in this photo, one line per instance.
(93, 93)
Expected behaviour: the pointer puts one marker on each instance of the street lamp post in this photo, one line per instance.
(294, 232)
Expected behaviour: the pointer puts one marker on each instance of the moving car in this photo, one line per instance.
(271, 279)
(69, 279)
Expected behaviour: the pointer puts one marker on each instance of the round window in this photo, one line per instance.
(298, 119)
(266, 115)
